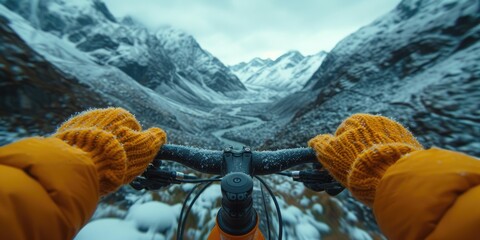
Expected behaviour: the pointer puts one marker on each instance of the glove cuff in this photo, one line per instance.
(105, 150)
(370, 166)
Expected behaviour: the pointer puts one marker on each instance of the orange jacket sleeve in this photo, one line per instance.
(430, 194)
(48, 189)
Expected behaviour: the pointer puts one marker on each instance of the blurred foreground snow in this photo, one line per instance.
(146, 221)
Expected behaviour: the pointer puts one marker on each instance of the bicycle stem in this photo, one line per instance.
(237, 161)
(237, 216)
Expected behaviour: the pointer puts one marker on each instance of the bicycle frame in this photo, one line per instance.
(254, 234)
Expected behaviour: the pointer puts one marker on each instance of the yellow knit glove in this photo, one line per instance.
(116, 143)
(363, 147)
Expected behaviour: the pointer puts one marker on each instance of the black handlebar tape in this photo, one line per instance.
(202, 160)
(210, 161)
(268, 162)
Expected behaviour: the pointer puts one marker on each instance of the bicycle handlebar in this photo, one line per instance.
(210, 161)
(237, 167)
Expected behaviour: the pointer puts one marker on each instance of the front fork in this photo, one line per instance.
(218, 234)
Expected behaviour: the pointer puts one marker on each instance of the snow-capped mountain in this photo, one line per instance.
(50, 78)
(417, 64)
(245, 70)
(143, 55)
(42, 88)
(287, 74)
(195, 63)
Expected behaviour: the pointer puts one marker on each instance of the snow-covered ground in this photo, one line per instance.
(147, 218)
(144, 221)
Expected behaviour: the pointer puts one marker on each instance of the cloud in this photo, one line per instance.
(239, 30)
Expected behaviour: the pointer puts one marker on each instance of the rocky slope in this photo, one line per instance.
(191, 76)
(34, 94)
(197, 64)
(45, 80)
(418, 64)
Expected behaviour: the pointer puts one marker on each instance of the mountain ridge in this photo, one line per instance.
(133, 49)
(282, 76)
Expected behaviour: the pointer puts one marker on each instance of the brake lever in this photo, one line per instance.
(154, 178)
(318, 180)
(149, 184)
(331, 189)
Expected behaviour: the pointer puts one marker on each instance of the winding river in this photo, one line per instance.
(253, 122)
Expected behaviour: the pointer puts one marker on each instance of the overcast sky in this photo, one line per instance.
(239, 30)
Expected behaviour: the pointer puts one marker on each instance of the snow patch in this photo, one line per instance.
(306, 231)
(154, 216)
(145, 221)
(114, 229)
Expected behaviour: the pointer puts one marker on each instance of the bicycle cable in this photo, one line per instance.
(184, 220)
(279, 213)
(183, 208)
(288, 174)
(266, 212)
(197, 180)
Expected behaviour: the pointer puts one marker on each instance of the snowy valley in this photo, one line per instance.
(419, 64)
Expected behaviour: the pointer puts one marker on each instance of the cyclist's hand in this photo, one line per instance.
(363, 147)
(116, 143)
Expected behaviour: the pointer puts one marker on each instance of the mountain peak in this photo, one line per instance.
(130, 21)
(175, 36)
(102, 8)
(287, 74)
(321, 53)
(259, 62)
(194, 62)
(172, 31)
(293, 55)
